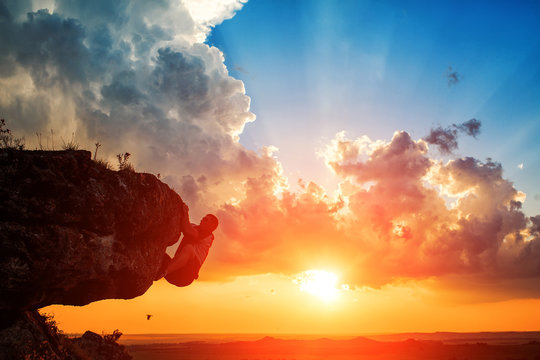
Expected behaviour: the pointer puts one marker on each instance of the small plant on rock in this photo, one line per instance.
(123, 162)
(98, 145)
(71, 144)
(104, 163)
(51, 324)
(7, 140)
(112, 338)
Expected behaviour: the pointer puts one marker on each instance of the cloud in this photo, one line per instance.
(470, 127)
(453, 77)
(210, 13)
(136, 77)
(399, 214)
(446, 138)
(241, 69)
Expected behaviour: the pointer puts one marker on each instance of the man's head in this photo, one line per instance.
(209, 223)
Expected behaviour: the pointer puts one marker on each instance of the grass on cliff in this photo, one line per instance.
(71, 144)
(71, 348)
(9, 141)
(123, 162)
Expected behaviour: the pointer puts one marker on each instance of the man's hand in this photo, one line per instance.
(187, 228)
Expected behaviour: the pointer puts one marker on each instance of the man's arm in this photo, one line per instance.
(187, 228)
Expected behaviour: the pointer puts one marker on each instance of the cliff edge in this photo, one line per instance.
(73, 231)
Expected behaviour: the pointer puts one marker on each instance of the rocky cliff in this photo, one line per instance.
(73, 231)
(35, 337)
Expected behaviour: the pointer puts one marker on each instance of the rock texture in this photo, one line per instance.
(73, 231)
(35, 337)
(98, 347)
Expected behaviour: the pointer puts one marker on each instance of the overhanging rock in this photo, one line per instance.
(73, 232)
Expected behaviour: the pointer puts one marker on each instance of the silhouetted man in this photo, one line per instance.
(193, 250)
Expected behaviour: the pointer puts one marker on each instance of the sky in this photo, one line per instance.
(374, 164)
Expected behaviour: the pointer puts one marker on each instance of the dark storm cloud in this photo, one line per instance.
(48, 39)
(133, 75)
(97, 11)
(471, 127)
(183, 78)
(535, 225)
(453, 77)
(5, 15)
(122, 89)
(446, 138)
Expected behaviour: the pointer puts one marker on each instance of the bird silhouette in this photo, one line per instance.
(148, 316)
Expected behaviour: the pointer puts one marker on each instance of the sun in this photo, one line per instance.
(319, 283)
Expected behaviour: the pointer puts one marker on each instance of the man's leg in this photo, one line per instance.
(181, 259)
(164, 266)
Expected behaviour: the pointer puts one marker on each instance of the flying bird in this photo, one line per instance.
(148, 316)
(453, 77)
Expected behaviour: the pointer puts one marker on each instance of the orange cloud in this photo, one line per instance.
(399, 214)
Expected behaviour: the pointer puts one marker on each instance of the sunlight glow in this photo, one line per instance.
(319, 283)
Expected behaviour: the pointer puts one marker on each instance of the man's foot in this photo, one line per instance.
(166, 260)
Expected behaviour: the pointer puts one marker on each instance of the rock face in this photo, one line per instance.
(73, 231)
(36, 337)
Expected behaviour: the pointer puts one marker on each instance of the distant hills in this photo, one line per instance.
(494, 338)
(441, 345)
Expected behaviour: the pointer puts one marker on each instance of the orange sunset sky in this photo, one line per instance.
(373, 164)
